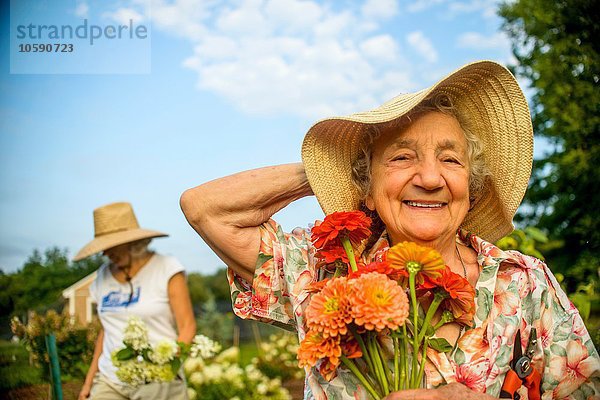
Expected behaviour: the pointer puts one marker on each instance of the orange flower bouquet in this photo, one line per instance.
(353, 315)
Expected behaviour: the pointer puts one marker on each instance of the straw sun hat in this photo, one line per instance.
(490, 102)
(114, 224)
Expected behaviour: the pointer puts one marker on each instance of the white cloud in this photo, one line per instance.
(380, 9)
(475, 40)
(498, 42)
(290, 56)
(422, 5)
(82, 10)
(487, 8)
(124, 15)
(382, 47)
(422, 45)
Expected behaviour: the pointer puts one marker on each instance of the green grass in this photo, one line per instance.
(15, 370)
(248, 350)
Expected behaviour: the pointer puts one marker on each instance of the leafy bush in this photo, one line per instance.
(75, 343)
(221, 377)
(215, 324)
(277, 357)
(15, 370)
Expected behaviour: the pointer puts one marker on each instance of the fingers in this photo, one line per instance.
(414, 394)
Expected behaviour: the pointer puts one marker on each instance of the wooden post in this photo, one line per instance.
(54, 367)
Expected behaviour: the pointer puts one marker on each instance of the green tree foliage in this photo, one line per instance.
(38, 285)
(205, 287)
(557, 47)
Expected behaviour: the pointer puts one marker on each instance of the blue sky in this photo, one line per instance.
(231, 85)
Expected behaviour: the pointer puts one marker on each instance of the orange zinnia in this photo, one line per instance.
(382, 267)
(460, 295)
(378, 302)
(410, 256)
(329, 310)
(353, 224)
(330, 256)
(315, 347)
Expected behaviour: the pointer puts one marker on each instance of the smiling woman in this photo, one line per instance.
(445, 167)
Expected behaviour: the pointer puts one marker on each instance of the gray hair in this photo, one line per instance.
(439, 102)
(139, 248)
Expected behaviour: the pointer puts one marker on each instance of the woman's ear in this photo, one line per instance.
(370, 203)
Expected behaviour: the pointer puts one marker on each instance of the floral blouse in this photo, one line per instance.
(513, 292)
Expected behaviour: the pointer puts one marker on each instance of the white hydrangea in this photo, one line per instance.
(132, 372)
(192, 394)
(163, 352)
(136, 334)
(213, 373)
(204, 347)
(230, 355)
(196, 378)
(192, 365)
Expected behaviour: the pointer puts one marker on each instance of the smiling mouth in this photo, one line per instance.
(419, 204)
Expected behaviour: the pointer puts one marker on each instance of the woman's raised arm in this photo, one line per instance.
(227, 212)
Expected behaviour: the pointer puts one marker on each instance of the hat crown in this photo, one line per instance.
(114, 217)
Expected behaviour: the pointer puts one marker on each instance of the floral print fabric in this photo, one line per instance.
(513, 292)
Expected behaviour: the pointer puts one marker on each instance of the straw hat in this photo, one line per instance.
(493, 106)
(114, 224)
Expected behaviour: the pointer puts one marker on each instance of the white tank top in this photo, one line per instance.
(150, 302)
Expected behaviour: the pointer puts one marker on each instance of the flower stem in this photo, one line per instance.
(348, 363)
(386, 370)
(423, 358)
(378, 365)
(406, 383)
(396, 368)
(437, 300)
(350, 252)
(363, 348)
(413, 296)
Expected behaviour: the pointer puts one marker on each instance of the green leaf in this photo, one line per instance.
(440, 344)
(583, 303)
(459, 356)
(262, 258)
(487, 273)
(536, 234)
(556, 349)
(125, 354)
(296, 257)
(484, 303)
(175, 365)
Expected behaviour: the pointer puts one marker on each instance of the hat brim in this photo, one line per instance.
(488, 99)
(110, 240)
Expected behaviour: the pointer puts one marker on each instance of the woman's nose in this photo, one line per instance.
(428, 175)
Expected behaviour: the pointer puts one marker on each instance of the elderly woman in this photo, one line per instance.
(136, 282)
(445, 167)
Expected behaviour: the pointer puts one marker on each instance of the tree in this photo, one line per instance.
(557, 47)
(39, 283)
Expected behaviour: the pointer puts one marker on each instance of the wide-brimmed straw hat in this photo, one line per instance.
(115, 224)
(489, 100)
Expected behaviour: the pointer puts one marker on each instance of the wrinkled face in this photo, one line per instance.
(420, 179)
(119, 255)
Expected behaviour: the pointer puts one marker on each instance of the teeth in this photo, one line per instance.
(415, 204)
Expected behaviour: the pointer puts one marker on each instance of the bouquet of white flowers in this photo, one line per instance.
(141, 362)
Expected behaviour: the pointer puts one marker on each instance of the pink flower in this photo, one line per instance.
(473, 375)
(573, 369)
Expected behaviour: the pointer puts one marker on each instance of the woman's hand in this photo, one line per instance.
(85, 391)
(456, 391)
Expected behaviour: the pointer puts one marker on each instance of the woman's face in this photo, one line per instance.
(420, 179)
(119, 255)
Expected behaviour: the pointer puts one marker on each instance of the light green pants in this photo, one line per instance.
(104, 389)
